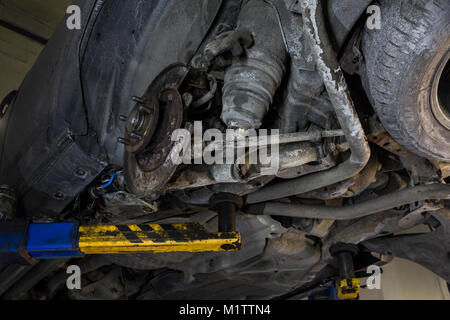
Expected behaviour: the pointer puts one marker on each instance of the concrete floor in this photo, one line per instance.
(404, 280)
(401, 279)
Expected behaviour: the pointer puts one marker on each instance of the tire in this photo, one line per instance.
(400, 72)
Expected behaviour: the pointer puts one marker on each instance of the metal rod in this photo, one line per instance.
(227, 217)
(333, 78)
(359, 210)
(280, 139)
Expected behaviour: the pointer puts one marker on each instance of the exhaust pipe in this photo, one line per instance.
(383, 203)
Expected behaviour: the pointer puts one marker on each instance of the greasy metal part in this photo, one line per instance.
(304, 83)
(365, 178)
(225, 173)
(242, 189)
(295, 172)
(291, 25)
(251, 81)
(333, 78)
(385, 141)
(292, 155)
(192, 177)
(297, 154)
(312, 135)
(350, 187)
(227, 216)
(343, 252)
(226, 205)
(321, 227)
(8, 202)
(122, 206)
(369, 227)
(382, 203)
(301, 98)
(335, 191)
(420, 169)
(233, 41)
(444, 168)
(158, 149)
(293, 244)
(141, 123)
(209, 95)
(419, 212)
(149, 171)
(200, 196)
(347, 285)
(284, 255)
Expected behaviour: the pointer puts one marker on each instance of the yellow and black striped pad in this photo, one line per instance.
(178, 237)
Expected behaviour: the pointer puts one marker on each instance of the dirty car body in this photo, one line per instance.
(87, 138)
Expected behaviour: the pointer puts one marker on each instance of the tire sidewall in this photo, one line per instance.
(416, 117)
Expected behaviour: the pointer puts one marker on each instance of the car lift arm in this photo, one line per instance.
(23, 242)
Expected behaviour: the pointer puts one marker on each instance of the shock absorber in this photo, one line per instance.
(253, 78)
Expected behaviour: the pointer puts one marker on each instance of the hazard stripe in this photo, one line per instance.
(151, 233)
(173, 233)
(129, 234)
(178, 237)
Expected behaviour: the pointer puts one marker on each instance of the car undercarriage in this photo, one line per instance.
(314, 139)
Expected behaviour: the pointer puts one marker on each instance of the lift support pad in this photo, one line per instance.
(21, 242)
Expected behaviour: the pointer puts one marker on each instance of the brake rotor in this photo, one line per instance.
(171, 119)
(148, 164)
(141, 124)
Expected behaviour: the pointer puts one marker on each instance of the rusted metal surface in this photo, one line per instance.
(359, 210)
(384, 140)
(141, 124)
(350, 187)
(171, 119)
(295, 172)
(337, 89)
(443, 167)
(148, 171)
(122, 206)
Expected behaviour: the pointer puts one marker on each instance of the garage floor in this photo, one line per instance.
(27, 24)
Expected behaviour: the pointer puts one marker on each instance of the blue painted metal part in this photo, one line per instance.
(329, 293)
(53, 240)
(13, 237)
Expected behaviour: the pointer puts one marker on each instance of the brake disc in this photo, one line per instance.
(148, 163)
